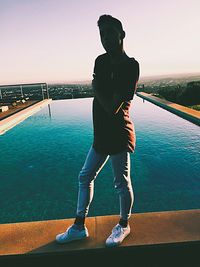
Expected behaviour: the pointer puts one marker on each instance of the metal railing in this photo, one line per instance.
(33, 91)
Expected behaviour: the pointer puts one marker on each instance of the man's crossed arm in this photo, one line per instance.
(111, 106)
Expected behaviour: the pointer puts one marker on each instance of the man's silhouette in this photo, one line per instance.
(114, 83)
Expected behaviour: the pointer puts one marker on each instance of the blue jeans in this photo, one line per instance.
(122, 182)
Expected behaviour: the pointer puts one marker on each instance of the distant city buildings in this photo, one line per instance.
(66, 91)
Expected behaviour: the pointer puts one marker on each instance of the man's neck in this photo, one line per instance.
(117, 56)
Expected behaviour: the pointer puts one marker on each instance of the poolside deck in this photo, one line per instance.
(182, 111)
(12, 120)
(14, 109)
(154, 235)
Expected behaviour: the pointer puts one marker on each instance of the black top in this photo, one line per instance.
(114, 133)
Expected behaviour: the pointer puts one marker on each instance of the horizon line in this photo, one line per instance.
(169, 75)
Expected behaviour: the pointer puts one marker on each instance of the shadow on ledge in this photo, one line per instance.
(157, 239)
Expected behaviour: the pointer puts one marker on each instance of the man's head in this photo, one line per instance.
(111, 33)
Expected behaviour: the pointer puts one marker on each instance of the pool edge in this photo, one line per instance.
(154, 234)
(11, 121)
(182, 111)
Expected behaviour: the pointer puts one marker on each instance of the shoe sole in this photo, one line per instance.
(72, 240)
(116, 244)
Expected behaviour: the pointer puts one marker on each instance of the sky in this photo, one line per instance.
(58, 40)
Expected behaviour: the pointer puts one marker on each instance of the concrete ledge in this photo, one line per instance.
(167, 232)
(8, 123)
(182, 111)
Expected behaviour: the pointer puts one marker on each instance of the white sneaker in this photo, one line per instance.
(118, 235)
(72, 234)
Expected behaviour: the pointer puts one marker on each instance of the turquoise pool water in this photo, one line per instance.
(41, 157)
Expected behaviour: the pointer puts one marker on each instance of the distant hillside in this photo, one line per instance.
(168, 80)
(157, 80)
(71, 82)
(183, 90)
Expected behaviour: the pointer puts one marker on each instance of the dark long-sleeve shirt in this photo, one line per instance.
(114, 133)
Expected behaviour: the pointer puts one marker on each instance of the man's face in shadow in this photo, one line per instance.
(111, 38)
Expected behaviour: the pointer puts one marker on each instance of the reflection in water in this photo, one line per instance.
(49, 111)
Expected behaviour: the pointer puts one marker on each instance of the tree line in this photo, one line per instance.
(183, 95)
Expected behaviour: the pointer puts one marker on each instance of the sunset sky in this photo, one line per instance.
(58, 40)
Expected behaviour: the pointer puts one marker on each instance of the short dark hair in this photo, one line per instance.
(104, 19)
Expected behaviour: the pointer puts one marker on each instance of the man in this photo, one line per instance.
(114, 84)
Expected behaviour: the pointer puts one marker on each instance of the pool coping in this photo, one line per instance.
(11, 121)
(182, 111)
(150, 228)
(153, 234)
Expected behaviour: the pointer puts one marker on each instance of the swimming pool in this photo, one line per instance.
(41, 157)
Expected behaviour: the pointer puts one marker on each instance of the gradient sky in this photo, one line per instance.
(57, 40)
